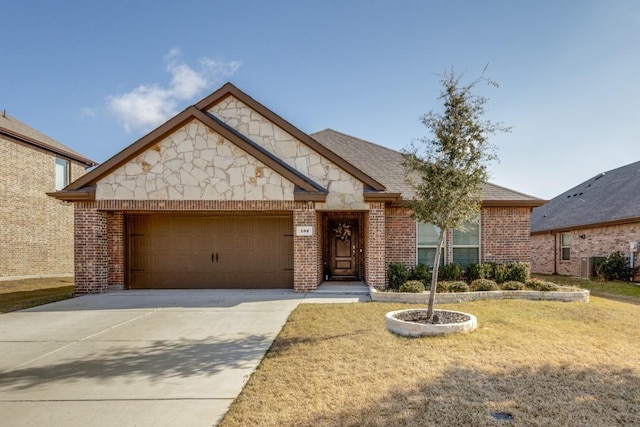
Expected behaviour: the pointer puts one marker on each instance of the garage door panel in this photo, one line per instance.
(210, 252)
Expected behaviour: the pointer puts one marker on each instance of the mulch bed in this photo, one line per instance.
(439, 317)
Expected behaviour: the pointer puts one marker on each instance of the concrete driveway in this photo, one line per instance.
(143, 358)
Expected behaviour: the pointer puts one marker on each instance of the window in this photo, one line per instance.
(427, 243)
(466, 244)
(565, 244)
(62, 173)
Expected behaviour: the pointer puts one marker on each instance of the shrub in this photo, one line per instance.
(397, 274)
(451, 271)
(475, 271)
(458, 286)
(420, 272)
(614, 267)
(517, 271)
(484, 285)
(413, 286)
(442, 286)
(513, 285)
(539, 285)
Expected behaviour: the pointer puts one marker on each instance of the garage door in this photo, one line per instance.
(181, 252)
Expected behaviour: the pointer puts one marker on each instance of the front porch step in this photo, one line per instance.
(342, 288)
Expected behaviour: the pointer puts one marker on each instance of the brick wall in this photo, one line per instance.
(597, 241)
(375, 265)
(116, 247)
(36, 231)
(91, 249)
(505, 234)
(305, 249)
(400, 232)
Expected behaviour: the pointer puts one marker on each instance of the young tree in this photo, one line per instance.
(448, 168)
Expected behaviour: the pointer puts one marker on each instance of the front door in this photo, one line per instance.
(343, 248)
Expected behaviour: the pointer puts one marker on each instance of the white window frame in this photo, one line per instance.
(563, 247)
(63, 179)
(419, 246)
(478, 246)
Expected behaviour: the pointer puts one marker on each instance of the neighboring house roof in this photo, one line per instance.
(385, 165)
(608, 198)
(14, 128)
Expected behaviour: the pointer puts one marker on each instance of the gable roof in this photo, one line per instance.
(608, 198)
(230, 90)
(14, 128)
(385, 165)
(306, 189)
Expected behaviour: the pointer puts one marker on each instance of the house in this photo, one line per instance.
(36, 231)
(229, 194)
(594, 219)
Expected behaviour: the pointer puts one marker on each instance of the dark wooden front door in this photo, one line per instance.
(343, 249)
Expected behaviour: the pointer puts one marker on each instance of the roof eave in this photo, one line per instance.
(624, 221)
(87, 194)
(513, 203)
(45, 146)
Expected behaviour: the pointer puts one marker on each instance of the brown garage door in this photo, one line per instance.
(173, 252)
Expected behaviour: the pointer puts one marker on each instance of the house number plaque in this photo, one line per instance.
(304, 230)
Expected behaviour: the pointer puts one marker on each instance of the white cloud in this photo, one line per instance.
(147, 106)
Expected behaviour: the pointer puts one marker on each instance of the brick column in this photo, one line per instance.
(375, 268)
(305, 249)
(90, 249)
(115, 237)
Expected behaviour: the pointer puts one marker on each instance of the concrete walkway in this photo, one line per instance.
(139, 358)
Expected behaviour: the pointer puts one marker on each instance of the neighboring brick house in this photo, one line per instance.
(229, 194)
(594, 219)
(36, 231)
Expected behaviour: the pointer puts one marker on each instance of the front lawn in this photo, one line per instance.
(544, 363)
(622, 290)
(21, 294)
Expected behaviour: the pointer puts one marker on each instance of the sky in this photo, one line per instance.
(97, 76)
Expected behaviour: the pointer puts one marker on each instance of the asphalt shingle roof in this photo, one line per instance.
(385, 165)
(609, 196)
(12, 126)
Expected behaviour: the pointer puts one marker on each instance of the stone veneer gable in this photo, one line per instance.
(194, 163)
(345, 191)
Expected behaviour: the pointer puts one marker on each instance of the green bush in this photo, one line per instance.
(451, 271)
(517, 271)
(512, 285)
(412, 286)
(539, 285)
(475, 271)
(458, 286)
(484, 285)
(397, 274)
(500, 273)
(614, 267)
(442, 286)
(420, 272)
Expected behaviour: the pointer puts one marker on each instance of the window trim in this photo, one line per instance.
(478, 246)
(448, 244)
(563, 247)
(60, 161)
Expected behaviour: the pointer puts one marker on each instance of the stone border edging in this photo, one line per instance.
(413, 329)
(564, 295)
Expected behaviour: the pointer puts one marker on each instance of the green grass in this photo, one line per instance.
(21, 294)
(621, 290)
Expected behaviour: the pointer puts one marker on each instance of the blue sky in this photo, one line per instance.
(96, 76)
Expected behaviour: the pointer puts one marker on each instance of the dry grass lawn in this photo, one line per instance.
(20, 294)
(545, 363)
(621, 290)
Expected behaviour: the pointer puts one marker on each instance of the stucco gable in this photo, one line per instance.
(194, 163)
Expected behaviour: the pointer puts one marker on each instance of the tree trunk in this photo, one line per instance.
(434, 277)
